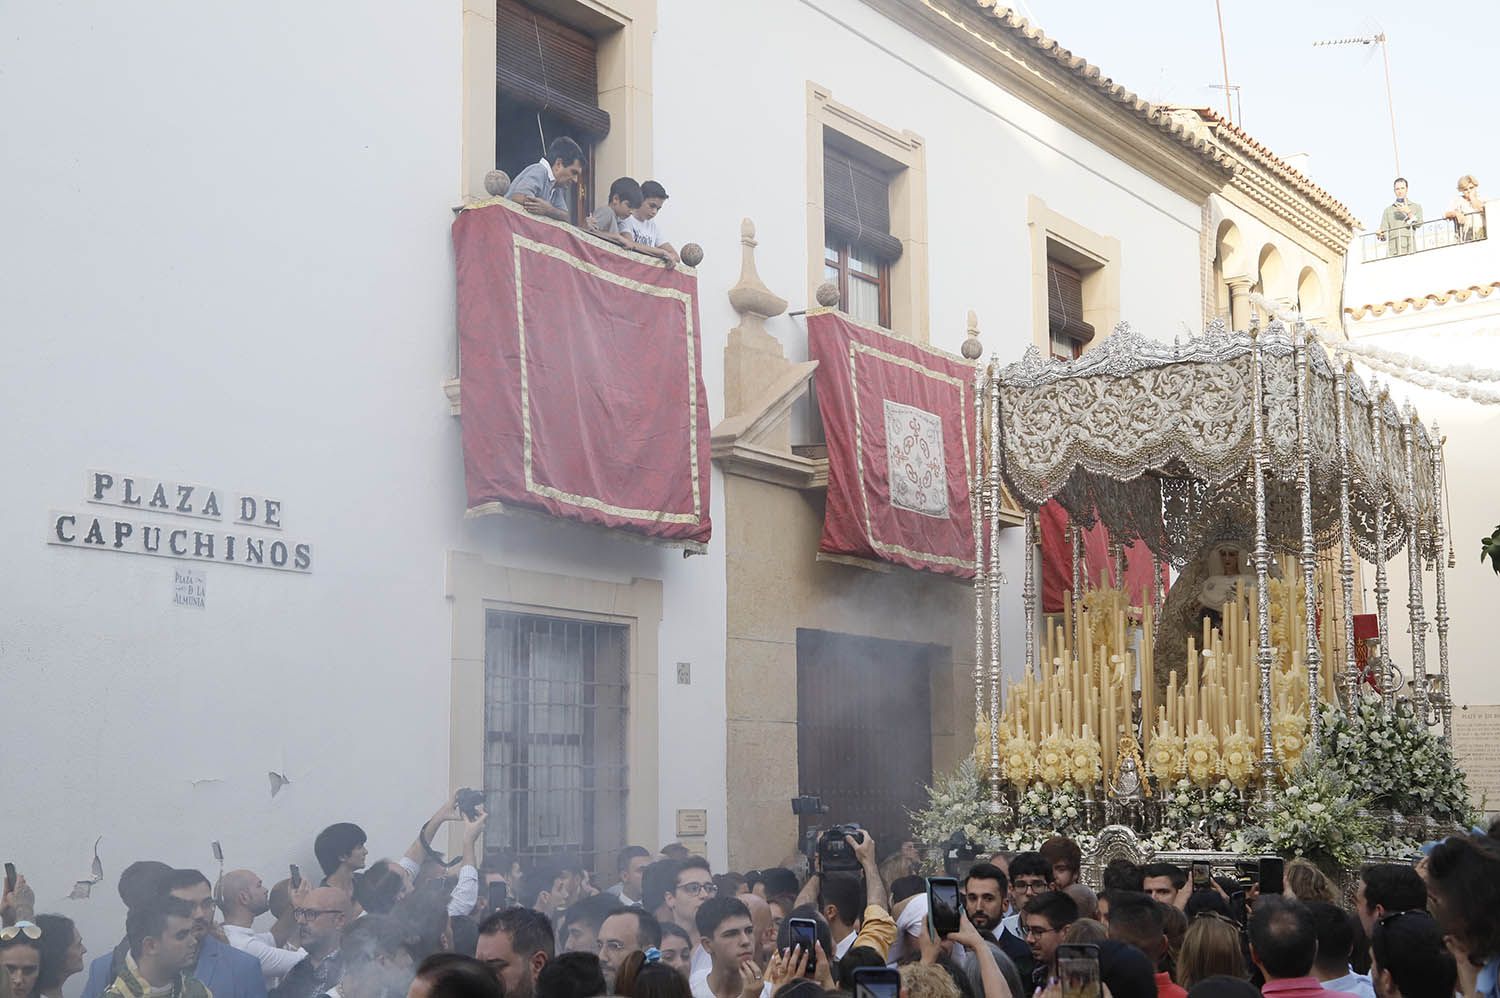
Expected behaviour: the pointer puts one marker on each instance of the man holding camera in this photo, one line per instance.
(857, 915)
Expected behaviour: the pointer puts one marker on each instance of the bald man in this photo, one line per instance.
(242, 898)
(764, 925)
(321, 917)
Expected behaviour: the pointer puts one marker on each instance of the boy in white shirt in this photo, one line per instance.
(641, 224)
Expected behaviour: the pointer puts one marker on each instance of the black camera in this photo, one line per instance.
(835, 855)
(809, 804)
(469, 802)
(959, 854)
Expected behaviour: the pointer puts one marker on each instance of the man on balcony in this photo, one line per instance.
(1399, 222)
(542, 188)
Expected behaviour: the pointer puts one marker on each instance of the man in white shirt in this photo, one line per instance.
(633, 862)
(385, 882)
(243, 897)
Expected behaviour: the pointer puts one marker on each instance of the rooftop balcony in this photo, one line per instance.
(1440, 265)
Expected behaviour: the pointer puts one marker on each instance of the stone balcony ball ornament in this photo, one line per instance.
(692, 254)
(972, 348)
(497, 183)
(827, 294)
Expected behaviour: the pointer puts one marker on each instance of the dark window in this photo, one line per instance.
(858, 246)
(547, 84)
(1067, 330)
(555, 728)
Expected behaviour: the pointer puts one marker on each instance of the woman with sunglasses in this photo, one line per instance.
(21, 957)
(62, 955)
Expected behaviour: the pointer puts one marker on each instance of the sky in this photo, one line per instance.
(1329, 103)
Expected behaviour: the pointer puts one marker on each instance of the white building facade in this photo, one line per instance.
(228, 267)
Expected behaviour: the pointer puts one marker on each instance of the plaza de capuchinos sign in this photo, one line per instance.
(202, 524)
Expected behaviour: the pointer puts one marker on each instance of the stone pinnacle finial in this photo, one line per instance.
(827, 294)
(750, 296)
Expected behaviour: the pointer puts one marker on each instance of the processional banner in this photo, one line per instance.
(581, 382)
(899, 420)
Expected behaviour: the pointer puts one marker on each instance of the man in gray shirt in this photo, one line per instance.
(543, 187)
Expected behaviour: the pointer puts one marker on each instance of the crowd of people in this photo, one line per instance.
(664, 925)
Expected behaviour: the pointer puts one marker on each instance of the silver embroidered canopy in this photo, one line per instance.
(1156, 440)
(1229, 437)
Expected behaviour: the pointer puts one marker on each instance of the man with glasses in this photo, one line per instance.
(622, 933)
(1029, 876)
(1043, 919)
(321, 920)
(694, 884)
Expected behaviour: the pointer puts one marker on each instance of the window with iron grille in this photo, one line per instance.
(555, 773)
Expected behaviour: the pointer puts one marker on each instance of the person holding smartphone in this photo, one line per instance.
(977, 946)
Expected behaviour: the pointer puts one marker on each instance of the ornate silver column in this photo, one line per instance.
(1262, 569)
(1075, 536)
(1313, 652)
(1028, 594)
(1157, 596)
(1117, 558)
(1346, 538)
(978, 509)
(1438, 471)
(1415, 532)
(994, 585)
(1386, 675)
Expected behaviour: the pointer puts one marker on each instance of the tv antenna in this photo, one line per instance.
(1239, 105)
(1379, 38)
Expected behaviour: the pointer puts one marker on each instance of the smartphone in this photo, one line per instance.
(1272, 869)
(10, 877)
(499, 895)
(296, 877)
(1201, 878)
(1078, 970)
(943, 905)
(877, 982)
(804, 933)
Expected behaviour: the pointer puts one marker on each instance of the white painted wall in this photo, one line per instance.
(227, 261)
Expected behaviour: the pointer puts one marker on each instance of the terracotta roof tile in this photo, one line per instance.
(1246, 142)
(1013, 24)
(1458, 294)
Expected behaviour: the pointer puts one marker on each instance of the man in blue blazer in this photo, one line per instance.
(224, 970)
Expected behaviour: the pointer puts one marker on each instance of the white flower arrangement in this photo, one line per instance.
(1395, 761)
(957, 800)
(1319, 815)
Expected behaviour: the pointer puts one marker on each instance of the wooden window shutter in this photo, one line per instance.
(857, 205)
(543, 63)
(1065, 303)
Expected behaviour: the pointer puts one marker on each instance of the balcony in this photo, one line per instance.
(1438, 233)
(1442, 274)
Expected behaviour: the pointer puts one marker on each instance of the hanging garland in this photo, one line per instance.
(1458, 372)
(1471, 389)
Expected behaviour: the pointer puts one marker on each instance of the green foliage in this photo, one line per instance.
(1396, 761)
(1489, 547)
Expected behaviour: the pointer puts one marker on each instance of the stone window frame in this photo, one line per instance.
(476, 586)
(624, 30)
(909, 288)
(1096, 256)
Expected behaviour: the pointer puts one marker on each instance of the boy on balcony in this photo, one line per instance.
(542, 188)
(641, 224)
(608, 221)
